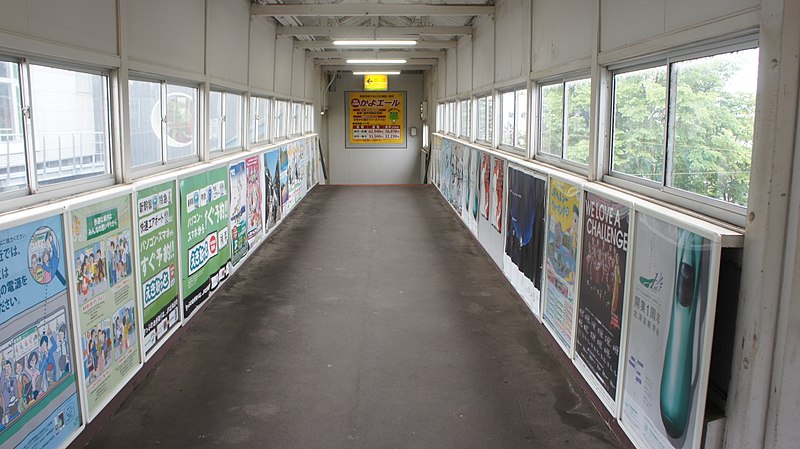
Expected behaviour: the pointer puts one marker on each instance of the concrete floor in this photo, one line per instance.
(371, 319)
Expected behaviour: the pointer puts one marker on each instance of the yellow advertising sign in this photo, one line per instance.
(375, 82)
(376, 120)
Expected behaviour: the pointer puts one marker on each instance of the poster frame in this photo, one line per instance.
(368, 146)
(715, 235)
(579, 183)
(611, 404)
(70, 206)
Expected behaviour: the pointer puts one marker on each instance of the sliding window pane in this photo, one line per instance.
(13, 171)
(489, 119)
(481, 124)
(233, 120)
(507, 118)
(215, 121)
(578, 97)
(640, 118)
(521, 119)
(145, 116)
(70, 116)
(552, 119)
(181, 121)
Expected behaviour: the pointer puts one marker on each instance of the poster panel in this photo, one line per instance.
(498, 173)
(255, 216)
(205, 252)
(295, 172)
(662, 405)
(376, 119)
(470, 214)
(238, 212)
(157, 234)
(563, 225)
(284, 177)
(525, 224)
(474, 183)
(486, 188)
(457, 178)
(38, 384)
(272, 186)
(602, 291)
(103, 277)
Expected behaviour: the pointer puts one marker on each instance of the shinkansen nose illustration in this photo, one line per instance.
(521, 223)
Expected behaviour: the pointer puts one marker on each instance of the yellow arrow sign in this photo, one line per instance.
(376, 82)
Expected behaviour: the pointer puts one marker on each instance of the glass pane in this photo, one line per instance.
(296, 118)
(715, 110)
(13, 174)
(481, 124)
(233, 120)
(640, 119)
(489, 119)
(507, 118)
(263, 122)
(145, 116)
(552, 119)
(215, 121)
(464, 120)
(181, 121)
(579, 94)
(70, 112)
(521, 119)
(252, 123)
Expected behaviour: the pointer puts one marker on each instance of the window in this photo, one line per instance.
(451, 117)
(564, 120)
(308, 118)
(225, 121)
(484, 119)
(688, 125)
(507, 118)
(297, 119)
(521, 118)
(514, 118)
(69, 136)
(281, 118)
(463, 121)
(259, 119)
(163, 122)
(440, 122)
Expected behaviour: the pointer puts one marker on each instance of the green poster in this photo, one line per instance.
(158, 261)
(105, 296)
(205, 252)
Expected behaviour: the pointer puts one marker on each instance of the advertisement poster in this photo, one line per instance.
(474, 183)
(376, 119)
(255, 217)
(525, 224)
(284, 177)
(457, 178)
(485, 180)
(295, 153)
(158, 261)
(498, 172)
(272, 187)
(603, 266)
(103, 277)
(205, 252)
(238, 216)
(39, 394)
(446, 164)
(563, 225)
(471, 189)
(667, 321)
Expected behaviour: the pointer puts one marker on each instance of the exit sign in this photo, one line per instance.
(376, 82)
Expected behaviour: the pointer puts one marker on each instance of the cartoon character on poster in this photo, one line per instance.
(272, 184)
(486, 176)
(284, 176)
(497, 182)
(91, 276)
(254, 215)
(238, 213)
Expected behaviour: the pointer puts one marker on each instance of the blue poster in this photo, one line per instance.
(38, 388)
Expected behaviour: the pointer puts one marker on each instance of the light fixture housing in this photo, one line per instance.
(377, 43)
(389, 72)
(376, 61)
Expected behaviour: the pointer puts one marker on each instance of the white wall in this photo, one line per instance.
(378, 166)
(464, 76)
(228, 36)
(284, 53)
(262, 54)
(169, 39)
(512, 40)
(563, 31)
(482, 53)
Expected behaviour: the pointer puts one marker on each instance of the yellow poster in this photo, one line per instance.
(376, 120)
(376, 82)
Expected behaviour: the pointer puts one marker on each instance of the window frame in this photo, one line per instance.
(498, 111)
(488, 116)
(254, 141)
(276, 111)
(138, 171)
(706, 205)
(243, 137)
(464, 129)
(33, 190)
(536, 125)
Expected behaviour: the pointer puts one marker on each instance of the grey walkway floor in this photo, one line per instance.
(371, 319)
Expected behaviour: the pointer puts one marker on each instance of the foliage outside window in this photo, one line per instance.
(225, 121)
(701, 141)
(484, 117)
(565, 103)
(507, 118)
(464, 122)
(163, 122)
(514, 118)
(69, 114)
(259, 119)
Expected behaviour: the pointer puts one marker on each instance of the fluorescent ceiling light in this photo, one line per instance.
(376, 61)
(395, 72)
(374, 43)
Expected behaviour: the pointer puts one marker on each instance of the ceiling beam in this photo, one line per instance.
(328, 45)
(376, 54)
(368, 31)
(372, 9)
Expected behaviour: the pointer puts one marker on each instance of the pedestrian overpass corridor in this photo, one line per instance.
(369, 319)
